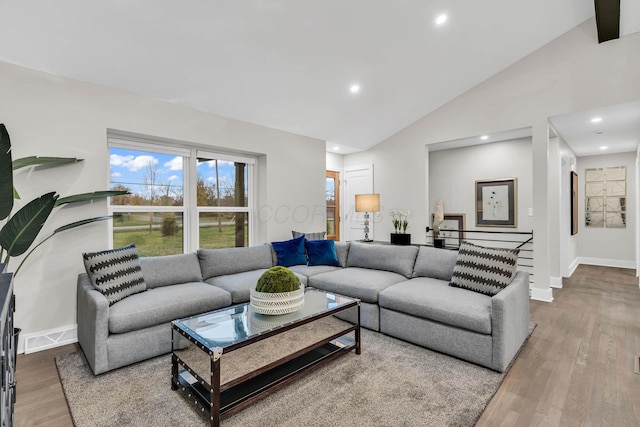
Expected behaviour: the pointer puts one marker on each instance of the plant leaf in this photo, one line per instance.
(36, 161)
(58, 230)
(23, 227)
(6, 174)
(86, 197)
(80, 223)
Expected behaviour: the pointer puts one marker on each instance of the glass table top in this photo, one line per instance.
(232, 325)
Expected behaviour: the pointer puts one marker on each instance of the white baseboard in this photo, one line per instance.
(545, 295)
(607, 262)
(44, 340)
(573, 266)
(555, 282)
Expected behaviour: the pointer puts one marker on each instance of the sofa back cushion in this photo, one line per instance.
(170, 269)
(318, 235)
(435, 263)
(398, 259)
(342, 250)
(220, 262)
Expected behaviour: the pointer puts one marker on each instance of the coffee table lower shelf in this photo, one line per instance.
(241, 395)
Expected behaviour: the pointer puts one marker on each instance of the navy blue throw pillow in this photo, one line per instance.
(290, 252)
(322, 252)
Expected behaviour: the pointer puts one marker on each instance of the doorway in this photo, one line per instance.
(332, 193)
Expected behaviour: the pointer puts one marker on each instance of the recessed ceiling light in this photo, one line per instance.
(354, 88)
(336, 148)
(484, 137)
(604, 147)
(441, 19)
(596, 120)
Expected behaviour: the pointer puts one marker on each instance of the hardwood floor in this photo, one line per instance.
(576, 369)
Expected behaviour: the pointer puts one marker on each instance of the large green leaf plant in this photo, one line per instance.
(22, 228)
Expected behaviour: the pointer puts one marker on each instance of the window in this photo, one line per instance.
(222, 200)
(182, 198)
(605, 197)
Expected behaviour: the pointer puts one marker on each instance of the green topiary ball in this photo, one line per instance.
(278, 279)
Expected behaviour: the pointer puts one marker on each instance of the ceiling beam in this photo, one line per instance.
(607, 19)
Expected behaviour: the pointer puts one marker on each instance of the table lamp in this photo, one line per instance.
(367, 203)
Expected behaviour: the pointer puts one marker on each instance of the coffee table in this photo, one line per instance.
(279, 341)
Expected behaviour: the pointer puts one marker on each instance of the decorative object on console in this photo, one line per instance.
(451, 232)
(116, 273)
(496, 203)
(290, 252)
(484, 270)
(367, 203)
(322, 252)
(278, 291)
(318, 235)
(400, 224)
(437, 219)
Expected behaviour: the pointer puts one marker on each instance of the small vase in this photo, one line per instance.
(400, 239)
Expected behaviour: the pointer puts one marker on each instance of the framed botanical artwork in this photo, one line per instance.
(451, 227)
(496, 203)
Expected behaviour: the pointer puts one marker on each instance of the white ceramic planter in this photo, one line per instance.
(277, 303)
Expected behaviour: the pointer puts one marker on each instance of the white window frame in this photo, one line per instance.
(190, 211)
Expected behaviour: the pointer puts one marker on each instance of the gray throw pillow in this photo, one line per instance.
(320, 235)
(484, 270)
(116, 273)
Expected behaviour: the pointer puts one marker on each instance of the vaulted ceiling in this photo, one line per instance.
(287, 64)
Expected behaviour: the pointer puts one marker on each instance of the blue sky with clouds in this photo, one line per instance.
(129, 167)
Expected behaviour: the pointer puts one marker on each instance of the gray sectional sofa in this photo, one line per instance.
(404, 293)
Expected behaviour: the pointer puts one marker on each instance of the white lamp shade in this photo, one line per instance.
(367, 203)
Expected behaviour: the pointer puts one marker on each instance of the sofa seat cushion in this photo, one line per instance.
(435, 300)
(355, 282)
(239, 285)
(164, 304)
(312, 270)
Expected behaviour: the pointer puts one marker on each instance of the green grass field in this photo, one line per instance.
(153, 243)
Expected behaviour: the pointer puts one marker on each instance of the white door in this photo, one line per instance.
(357, 180)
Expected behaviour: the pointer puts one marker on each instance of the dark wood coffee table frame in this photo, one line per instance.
(221, 401)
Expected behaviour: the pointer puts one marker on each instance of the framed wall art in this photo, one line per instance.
(574, 203)
(496, 203)
(450, 229)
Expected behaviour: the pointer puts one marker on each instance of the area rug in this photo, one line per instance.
(392, 383)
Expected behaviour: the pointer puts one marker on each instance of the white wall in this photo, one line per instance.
(608, 246)
(571, 73)
(453, 173)
(335, 162)
(48, 115)
(568, 244)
